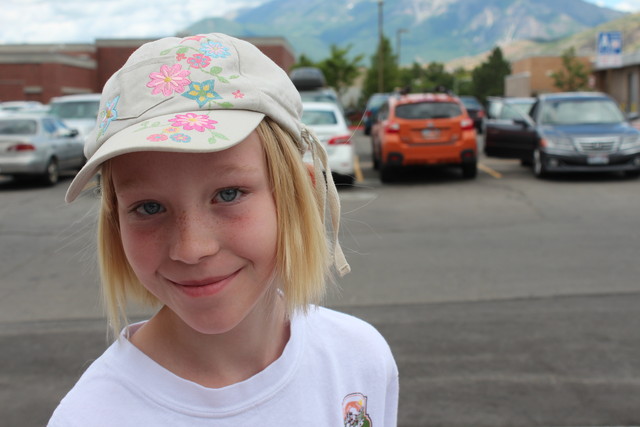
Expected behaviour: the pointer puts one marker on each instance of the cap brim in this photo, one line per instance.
(201, 131)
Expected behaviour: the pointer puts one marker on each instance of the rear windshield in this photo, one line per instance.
(76, 109)
(18, 127)
(315, 117)
(428, 110)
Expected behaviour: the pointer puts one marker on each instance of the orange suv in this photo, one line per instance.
(423, 129)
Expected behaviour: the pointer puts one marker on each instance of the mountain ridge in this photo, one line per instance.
(436, 30)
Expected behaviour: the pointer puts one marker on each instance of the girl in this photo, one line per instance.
(209, 213)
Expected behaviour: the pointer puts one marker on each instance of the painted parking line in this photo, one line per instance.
(357, 169)
(486, 169)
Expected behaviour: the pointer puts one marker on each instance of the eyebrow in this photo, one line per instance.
(223, 170)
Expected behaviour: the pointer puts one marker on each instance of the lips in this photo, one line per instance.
(205, 287)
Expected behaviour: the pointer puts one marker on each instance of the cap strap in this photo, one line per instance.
(327, 187)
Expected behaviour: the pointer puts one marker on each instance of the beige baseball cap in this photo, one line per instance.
(199, 94)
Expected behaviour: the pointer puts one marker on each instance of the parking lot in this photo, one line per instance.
(507, 300)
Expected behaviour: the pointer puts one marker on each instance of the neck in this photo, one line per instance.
(217, 360)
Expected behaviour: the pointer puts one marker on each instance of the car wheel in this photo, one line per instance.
(374, 157)
(469, 170)
(632, 174)
(387, 174)
(52, 173)
(539, 170)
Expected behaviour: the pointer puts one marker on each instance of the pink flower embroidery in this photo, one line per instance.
(196, 38)
(238, 94)
(199, 60)
(169, 80)
(156, 137)
(180, 56)
(192, 121)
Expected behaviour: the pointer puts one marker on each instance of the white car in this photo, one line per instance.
(77, 111)
(329, 124)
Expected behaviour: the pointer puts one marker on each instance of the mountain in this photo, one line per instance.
(584, 43)
(436, 30)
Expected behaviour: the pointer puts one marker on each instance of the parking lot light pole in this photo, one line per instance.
(399, 31)
(380, 49)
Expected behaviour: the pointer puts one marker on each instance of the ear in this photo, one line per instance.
(312, 173)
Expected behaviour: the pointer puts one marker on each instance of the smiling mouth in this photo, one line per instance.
(205, 287)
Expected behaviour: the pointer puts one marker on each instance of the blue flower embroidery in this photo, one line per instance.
(201, 92)
(109, 114)
(214, 49)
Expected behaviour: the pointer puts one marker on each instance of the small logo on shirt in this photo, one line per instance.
(354, 411)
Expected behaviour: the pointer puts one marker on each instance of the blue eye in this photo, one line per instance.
(228, 194)
(149, 208)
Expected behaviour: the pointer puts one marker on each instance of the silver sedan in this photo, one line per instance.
(40, 146)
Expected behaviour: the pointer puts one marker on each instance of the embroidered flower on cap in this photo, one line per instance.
(202, 92)
(169, 80)
(108, 115)
(176, 128)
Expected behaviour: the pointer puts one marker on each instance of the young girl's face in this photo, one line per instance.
(199, 230)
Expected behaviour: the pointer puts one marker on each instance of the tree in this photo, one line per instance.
(303, 61)
(574, 76)
(488, 77)
(389, 71)
(339, 70)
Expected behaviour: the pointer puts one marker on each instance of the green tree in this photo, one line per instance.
(488, 77)
(574, 76)
(304, 61)
(389, 71)
(339, 70)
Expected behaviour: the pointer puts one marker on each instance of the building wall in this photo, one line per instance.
(41, 72)
(539, 69)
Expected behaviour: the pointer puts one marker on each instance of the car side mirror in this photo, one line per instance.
(522, 122)
(633, 116)
(68, 133)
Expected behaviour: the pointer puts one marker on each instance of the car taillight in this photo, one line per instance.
(466, 124)
(392, 128)
(22, 147)
(367, 113)
(340, 140)
(480, 113)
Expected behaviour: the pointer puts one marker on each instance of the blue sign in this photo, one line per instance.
(610, 43)
(609, 52)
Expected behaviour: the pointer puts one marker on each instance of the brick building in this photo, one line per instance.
(40, 72)
(532, 75)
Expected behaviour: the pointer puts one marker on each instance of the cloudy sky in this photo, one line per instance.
(64, 21)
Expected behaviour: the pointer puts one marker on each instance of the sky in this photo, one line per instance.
(84, 21)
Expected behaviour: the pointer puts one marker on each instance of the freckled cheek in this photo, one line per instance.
(142, 250)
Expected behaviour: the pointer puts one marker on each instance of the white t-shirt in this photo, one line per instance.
(336, 370)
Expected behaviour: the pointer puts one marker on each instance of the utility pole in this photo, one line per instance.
(399, 31)
(380, 49)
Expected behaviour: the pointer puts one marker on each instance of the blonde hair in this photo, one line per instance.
(302, 252)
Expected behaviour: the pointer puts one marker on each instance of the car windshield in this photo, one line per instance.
(376, 101)
(76, 109)
(318, 117)
(573, 112)
(18, 127)
(471, 103)
(428, 110)
(523, 107)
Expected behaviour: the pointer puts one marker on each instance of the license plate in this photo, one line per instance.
(598, 160)
(431, 133)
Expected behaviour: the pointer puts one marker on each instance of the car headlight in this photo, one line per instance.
(630, 142)
(559, 142)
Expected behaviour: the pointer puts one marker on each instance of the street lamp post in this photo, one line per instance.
(399, 31)
(380, 49)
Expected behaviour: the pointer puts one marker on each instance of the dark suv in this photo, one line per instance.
(570, 132)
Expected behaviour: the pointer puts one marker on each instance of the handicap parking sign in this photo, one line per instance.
(609, 49)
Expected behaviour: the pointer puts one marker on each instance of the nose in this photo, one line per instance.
(194, 238)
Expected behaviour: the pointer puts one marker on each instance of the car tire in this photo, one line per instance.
(469, 170)
(387, 174)
(51, 175)
(539, 170)
(632, 174)
(374, 157)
